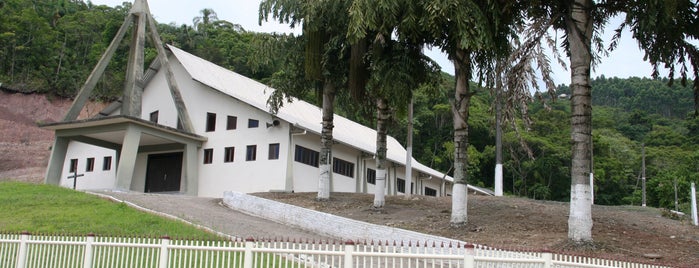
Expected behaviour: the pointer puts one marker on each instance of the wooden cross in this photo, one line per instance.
(75, 178)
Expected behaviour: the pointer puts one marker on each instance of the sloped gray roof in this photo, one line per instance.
(298, 112)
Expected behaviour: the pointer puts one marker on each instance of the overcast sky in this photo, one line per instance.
(625, 61)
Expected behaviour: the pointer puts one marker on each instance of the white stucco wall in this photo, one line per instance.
(259, 175)
(95, 179)
(333, 226)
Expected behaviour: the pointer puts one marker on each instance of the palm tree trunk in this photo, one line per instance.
(579, 31)
(326, 141)
(462, 99)
(381, 131)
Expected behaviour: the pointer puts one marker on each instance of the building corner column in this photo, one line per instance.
(127, 158)
(56, 161)
(191, 169)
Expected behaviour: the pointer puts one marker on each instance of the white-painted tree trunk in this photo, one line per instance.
(326, 142)
(695, 219)
(324, 182)
(580, 218)
(579, 35)
(460, 109)
(498, 180)
(459, 204)
(592, 188)
(383, 115)
(409, 154)
(380, 190)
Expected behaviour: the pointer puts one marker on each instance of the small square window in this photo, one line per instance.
(228, 154)
(154, 117)
(208, 156)
(210, 122)
(73, 165)
(252, 123)
(251, 153)
(90, 166)
(107, 163)
(273, 151)
(232, 122)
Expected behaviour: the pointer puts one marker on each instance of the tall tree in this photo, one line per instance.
(579, 26)
(472, 33)
(324, 35)
(661, 28)
(397, 70)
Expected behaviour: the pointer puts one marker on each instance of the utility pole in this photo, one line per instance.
(643, 174)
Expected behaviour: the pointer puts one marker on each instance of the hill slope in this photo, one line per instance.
(625, 232)
(24, 147)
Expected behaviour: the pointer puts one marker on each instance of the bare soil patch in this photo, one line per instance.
(24, 147)
(625, 232)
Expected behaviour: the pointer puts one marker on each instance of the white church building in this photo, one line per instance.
(241, 146)
(187, 125)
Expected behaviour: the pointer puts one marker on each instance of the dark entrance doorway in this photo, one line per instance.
(164, 172)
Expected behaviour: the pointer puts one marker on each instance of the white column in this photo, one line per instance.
(127, 159)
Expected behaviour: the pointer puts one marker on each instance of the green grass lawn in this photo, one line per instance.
(48, 209)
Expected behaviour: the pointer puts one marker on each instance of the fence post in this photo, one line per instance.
(469, 256)
(349, 254)
(87, 259)
(247, 257)
(548, 259)
(164, 252)
(22, 254)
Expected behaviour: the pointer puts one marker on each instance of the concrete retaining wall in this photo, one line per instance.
(324, 223)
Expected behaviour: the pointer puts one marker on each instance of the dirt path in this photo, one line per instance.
(209, 213)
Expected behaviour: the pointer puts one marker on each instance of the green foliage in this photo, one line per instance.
(52, 209)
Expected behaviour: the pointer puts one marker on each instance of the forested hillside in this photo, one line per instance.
(51, 46)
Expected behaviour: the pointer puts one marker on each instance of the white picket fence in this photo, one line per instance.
(25, 251)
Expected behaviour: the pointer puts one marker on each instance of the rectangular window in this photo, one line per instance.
(73, 165)
(370, 176)
(400, 184)
(251, 153)
(430, 192)
(107, 163)
(154, 117)
(228, 154)
(343, 167)
(90, 165)
(232, 122)
(273, 151)
(306, 156)
(210, 122)
(208, 156)
(252, 123)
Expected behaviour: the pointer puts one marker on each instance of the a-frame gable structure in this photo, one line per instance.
(127, 133)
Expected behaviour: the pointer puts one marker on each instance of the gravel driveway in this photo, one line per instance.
(209, 213)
